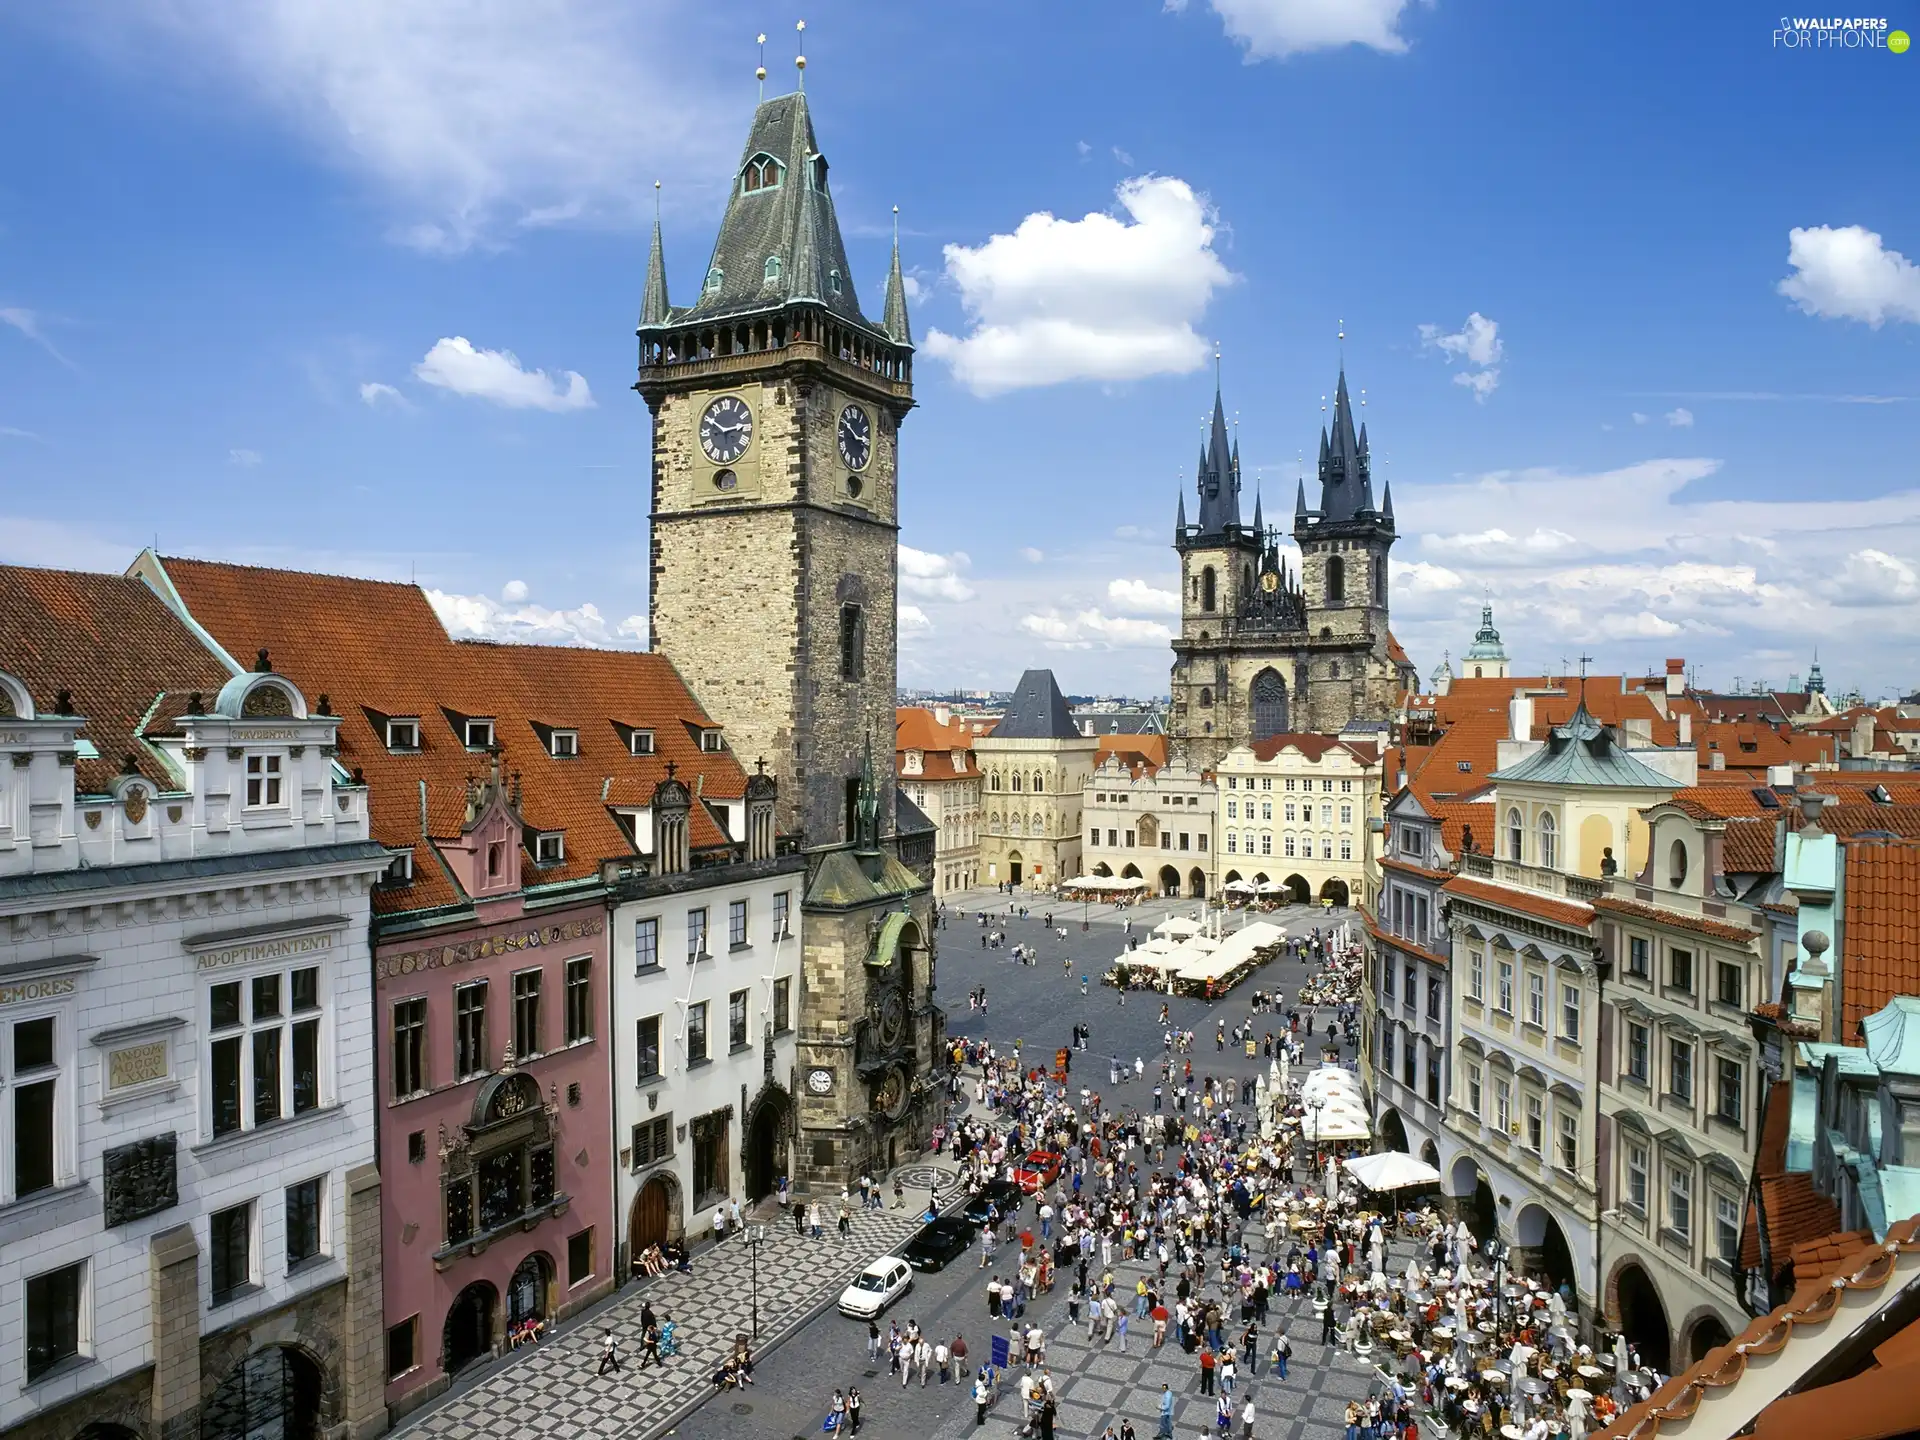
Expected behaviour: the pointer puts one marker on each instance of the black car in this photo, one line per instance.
(938, 1242)
(1005, 1197)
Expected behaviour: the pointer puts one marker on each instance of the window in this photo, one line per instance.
(1680, 970)
(478, 734)
(697, 1033)
(1346, 787)
(782, 1006)
(640, 742)
(469, 1030)
(263, 781)
(526, 1013)
(410, 1047)
(1502, 1107)
(1536, 1118)
(1726, 1090)
(1637, 1177)
(833, 276)
(1537, 1000)
(1637, 1051)
(1473, 1089)
(1637, 957)
(580, 1256)
(1336, 580)
(1386, 1049)
(230, 1252)
(1547, 838)
(716, 277)
(564, 744)
(399, 872)
(1386, 979)
(853, 643)
(1726, 1229)
(762, 173)
(1233, 841)
(1727, 983)
(1516, 836)
(579, 999)
(303, 1221)
(770, 272)
(264, 1049)
(1569, 1141)
(550, 848)
(652, 1141)
(417, 1147)
(403, 734)
(1476, 975)
(646, 1039)
(1570, 1012)
(1433, 997)
(1411, 991)
(737, 924)
(737, 1020)
(646, 944)
(1680, 1069)
(403, 1347)
(697, 933)
(53, 1318)
(1233, 809)
(1346, 847)
(35, 1086)
(1677, 864)
(1287, 849)
(1505, 1001)
(782, 911)
(1680, 1201)
(1346, 814)
(713, 742)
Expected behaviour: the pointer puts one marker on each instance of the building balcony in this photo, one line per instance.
(1536, 878)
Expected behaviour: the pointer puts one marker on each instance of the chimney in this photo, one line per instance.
(1780, 777)
(1719, 760)
(1520, 716)
(1639, 732)
(1686, 727)
(942, 715)
(1676, 677)
(1862, 743)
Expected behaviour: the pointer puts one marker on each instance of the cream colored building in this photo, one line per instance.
(1035, 765)
(934, 764)
(1296, 810)
(1151, 823)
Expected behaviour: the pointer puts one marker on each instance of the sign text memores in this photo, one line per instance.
(440, 956)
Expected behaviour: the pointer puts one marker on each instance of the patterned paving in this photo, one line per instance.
(554, 1391)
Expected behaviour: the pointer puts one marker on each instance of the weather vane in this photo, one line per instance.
(800, 61)
(760, 73)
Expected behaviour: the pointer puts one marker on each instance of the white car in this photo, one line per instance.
(876, 1287)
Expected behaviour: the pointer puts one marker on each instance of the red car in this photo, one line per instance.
(1039, 1170)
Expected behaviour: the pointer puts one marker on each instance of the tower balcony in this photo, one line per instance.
(696, 356)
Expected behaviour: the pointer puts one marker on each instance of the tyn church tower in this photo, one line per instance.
(1262, 650)
(777, 407)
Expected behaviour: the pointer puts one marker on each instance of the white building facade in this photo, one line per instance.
(1154, 825)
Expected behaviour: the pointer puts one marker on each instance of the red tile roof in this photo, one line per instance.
(379, 650)
(1848, 820)
(1141, 754)
(1402, 944)
(1818, 1258)
(1749, 847)
(1528, 902)
(119, 650)
(1456, 818)
(916, 728)
(1660, 915)
(1407, 867)
(1314, 747)
(1855, 1404)
(1880, 929)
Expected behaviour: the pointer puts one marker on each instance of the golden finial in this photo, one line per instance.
(656, 202)
(760, 73)
(800, 61)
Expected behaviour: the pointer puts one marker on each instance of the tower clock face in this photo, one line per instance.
(856, 437)
(725, 429)
(1269, 582)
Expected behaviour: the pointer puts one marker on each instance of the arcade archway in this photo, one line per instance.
(1548, 1253)
(467, 1335)
(1473, 1198)
(1197, 884)
(1393, 1132)
(1336, 891)
(768, 1125)
(274, 1394)
(530, 1291)
(1298, 891)
(1430, 1154)
(1643, 1317)
(1707, 1334)
(1169, 880)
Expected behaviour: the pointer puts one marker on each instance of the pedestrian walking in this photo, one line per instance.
(853, 1410)
(609, 1352)
(649, 1346)
(1206, 1370)
(1166, 1412)
(873, 1341)
(1246, 1419)
(1282, 1352)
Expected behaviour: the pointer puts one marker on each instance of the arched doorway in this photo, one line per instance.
(766, 1142)
(1013, 866)
(274, 1394)
(1473, 1198)
(656, 1214)
(1298, 891)
(1643, 1318)
(1233, 878)
(468, 1333)
(1708, 1334)
(1393, 1132)
(1197, 884)
(530, 1291)
(1548, 1253)
(1103, 870)
(1336, 891)
(1132, 872)
(1169, 880)
(1430, 1154)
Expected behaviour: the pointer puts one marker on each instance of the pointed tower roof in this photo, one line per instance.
(1346, 490)
(1038, 711)
(1386, 504)
(1219, 479)
(780, 210)
(1816, 682)
(1486, 641)
(653, 301)
(1259, 524)
(895, 318)
(1180, 519)
(1300, 511)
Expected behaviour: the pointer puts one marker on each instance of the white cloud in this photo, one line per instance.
(911, 284)
(28, 323)
(1090, 630)
(1680, 418)
(1420, 577)
(1083, 148)
(1638, 418)
(1495, 546)
(245, 459)
(1873, 577)
(374, 392)
(471, 120)
(1132, 532)
(1140, 598)
(1847, 273)
(1476, 344)
(1275, 29)
(1123, 157)
(515, 592)
(912, 620)
(934, 577)
(495, 375)
(1101, 298)
(482, 617)
(14, 432)
(1032, 555)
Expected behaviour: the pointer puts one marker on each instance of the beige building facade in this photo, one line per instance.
(1036, 765)
(934, 765)
(1150, 824)
(1298, 811)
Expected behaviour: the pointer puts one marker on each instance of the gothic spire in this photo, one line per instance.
(653, 302)
(1180, 519)
(1386, 504)
(895, 319)
(1300, 511)
(1259, 525)
(1219, 478)
(1346, 486)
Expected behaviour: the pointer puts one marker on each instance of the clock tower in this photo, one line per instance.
(776, 407)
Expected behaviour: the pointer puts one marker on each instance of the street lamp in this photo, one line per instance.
(755, 1237)
(1314, 1104)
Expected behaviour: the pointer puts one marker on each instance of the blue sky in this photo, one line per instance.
(1630, 289)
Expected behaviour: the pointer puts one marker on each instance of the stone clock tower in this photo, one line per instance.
(777, 407)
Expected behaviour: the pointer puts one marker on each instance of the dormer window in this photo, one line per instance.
(263, 781)
(403, 734)
(549, 847)
(959, 758)
(913, 762)
(712, 741)
(478, 734)
(833, 281)
(716, 277)
(772, 272)
(762, 172)
(564, 744)
(640, 742)
(399, 871)
(818, 172)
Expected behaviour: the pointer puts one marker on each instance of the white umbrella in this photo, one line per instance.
(1391, 1170)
